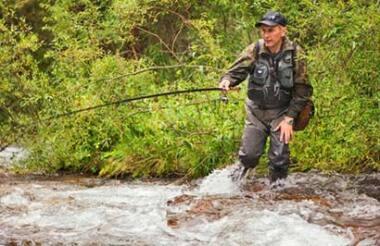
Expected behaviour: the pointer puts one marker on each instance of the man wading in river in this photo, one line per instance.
(278, 90)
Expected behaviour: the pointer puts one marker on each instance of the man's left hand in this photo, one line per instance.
(286, 129)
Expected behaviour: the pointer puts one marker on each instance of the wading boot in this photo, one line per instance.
(277, 178)
(239, 173)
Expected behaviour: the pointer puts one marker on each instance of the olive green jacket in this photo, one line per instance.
(302, 89)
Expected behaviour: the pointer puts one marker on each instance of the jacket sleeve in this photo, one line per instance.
(302, 90)
(240, 69)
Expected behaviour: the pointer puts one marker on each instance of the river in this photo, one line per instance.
(310, 209)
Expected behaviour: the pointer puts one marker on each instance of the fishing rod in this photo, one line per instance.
(223, 98)
(127, 100)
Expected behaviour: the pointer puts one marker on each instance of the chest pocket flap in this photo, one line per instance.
(260, 73)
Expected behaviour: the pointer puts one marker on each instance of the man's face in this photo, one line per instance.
(272, 35)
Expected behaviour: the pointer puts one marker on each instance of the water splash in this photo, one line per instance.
(219, 182)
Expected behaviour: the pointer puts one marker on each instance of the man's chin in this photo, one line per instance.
(268, 45)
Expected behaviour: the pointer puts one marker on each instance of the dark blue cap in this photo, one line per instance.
(272, 18)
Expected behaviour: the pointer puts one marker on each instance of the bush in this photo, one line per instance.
(76, 54)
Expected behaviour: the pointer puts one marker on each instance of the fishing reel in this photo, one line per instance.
(223, 98)
(223, 95)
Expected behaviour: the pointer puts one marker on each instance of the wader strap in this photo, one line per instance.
(294, 53)
(257, 49)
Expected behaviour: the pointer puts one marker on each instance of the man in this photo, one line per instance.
(278, 89)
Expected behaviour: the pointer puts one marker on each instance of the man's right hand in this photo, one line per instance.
(225, 85)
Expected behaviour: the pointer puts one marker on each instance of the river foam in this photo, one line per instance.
(309, 210)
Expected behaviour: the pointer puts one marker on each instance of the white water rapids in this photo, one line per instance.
(312, 209)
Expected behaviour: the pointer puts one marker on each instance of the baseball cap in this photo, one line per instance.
(272, 18)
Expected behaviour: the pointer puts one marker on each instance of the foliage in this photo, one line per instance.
(65, 55)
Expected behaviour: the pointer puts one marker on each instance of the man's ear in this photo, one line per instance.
(284, 30)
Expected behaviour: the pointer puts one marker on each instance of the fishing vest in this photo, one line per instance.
(272, 78)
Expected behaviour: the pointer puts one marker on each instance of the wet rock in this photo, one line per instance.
(3, 175)
(209, 208)
(304, 197)
(14, 242)
(185, 198)
(370, 185)
(172, 222)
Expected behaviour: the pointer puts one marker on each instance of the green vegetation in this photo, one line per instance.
(59, 56)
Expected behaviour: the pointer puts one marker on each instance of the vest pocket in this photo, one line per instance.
(285, 72)
(286, 78)
(257, 95)
(260, 74)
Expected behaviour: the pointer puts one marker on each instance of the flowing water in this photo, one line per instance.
(309, 209)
